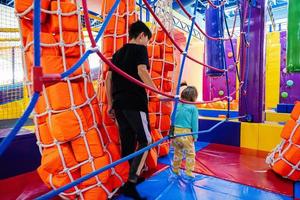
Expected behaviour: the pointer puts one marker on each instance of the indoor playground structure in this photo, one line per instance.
(57, 140)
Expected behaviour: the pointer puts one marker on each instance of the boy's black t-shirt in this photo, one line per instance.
(127, 95)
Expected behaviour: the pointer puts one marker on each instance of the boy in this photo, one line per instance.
(128, 102)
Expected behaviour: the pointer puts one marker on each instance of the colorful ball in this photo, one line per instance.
(290, 83)
(221, 93)
(230, 54)
(284, 94)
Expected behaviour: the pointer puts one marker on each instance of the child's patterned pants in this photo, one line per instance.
(184, 144)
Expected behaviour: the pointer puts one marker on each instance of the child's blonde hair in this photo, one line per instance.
(190, 93)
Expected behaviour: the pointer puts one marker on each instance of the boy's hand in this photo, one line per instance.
(110, 112)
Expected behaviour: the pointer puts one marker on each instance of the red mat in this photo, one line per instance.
(25, 186)
(29, 185)
(240, 165)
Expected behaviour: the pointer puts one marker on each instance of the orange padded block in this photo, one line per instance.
(59, 180)
(40, 106)
(88, 111)
(284, 169)
(163, 149)
(71, 61)
(153, 51)
(23, 5)
(151, 160)
(65, 126)
(42, 119)
(157, 66)
(166, 108)
(131, 19)
(98, 163)
(106, 119)
(160, 36)
(69, 23)
(26, 26)
(71, 40)
(52, 161)
(167, 85)
(46, 38)
(109, 43)
(95, 193)
(113, 133)
(164, 123)
(296, 111)
(130, 5)
(116, 25)
(156, 135)
(103, 96)
(169, 64)
(168, 47)
(156, 78)
(92, 141)
(292, 154)
(114, 150)
(54, 94)
(153, 107)
(108, 4)
(152, 120)
(44, 134)
(287, 129)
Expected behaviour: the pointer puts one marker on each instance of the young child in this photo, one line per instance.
(186, 121)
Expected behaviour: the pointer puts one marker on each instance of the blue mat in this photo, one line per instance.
(166, 185)
(167, 159)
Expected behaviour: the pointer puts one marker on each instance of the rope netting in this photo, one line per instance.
(68, 121)
(285, 158)
(75, 135)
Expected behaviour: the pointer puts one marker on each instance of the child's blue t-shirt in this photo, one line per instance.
(187, 117)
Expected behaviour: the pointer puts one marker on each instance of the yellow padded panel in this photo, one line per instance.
(269, 136)
(273, 116)
(249, 135)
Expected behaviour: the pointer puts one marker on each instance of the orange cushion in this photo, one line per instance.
(93, 143)
(22, 5)
(116, 25)
(296, 111)
(153, 51)
(109, 43)
(98, 163)
(113, 133)
(57, 91)
(151, 160)
(69, 23)
(65, 126)
(166, 108)
(44, 134)
(71, 39)
(157, 66)
(288, 128)
(95, 193)
(51, 159)
(152, 120)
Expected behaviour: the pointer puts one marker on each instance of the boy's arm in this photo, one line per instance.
(195, 125)
(108, 88)
(145, 76)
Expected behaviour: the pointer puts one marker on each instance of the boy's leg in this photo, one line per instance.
(189, 147)
(127, 136)
(140, 125)
(177, 155)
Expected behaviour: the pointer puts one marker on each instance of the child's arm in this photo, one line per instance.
(108, 88)
(145, 76)
(195, 125)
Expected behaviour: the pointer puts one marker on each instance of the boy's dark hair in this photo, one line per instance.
(137, 28)
(189, 94)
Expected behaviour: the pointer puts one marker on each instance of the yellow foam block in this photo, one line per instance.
(268, 136)
(249, 135)
(273, 53)
(273, 116)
